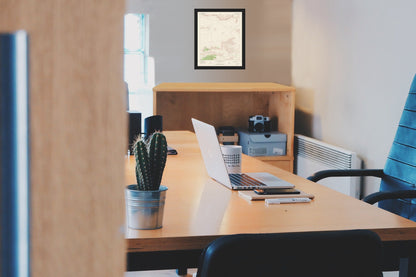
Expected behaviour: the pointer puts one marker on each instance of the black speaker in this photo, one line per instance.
(135, 128)
(152, 124)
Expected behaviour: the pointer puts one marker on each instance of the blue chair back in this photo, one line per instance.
(400, 168)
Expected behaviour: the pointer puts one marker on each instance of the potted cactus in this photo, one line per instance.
(145, 200)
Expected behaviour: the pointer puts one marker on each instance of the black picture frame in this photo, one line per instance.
(228, 25)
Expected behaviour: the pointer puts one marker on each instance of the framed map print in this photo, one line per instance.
(219, 38)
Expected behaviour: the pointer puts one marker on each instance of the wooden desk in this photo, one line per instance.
(198, 210)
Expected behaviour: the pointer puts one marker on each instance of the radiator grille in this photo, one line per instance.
(312, 155)
(323, 153)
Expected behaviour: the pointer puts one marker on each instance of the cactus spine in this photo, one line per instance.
(150, 161)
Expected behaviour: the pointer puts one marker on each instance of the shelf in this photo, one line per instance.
(228, 104)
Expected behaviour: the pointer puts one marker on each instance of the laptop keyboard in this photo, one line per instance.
(244, 181)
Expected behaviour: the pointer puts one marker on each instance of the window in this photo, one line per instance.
(138, 65)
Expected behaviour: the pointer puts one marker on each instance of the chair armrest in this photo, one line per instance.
(384, 195)
(345, 173)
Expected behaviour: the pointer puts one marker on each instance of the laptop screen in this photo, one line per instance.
(211, 152)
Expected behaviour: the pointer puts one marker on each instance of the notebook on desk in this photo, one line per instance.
(251, 195)
(217, 170)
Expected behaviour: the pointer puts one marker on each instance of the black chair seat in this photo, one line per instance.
(336, 253)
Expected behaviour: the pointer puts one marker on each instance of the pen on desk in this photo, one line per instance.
(287, 200)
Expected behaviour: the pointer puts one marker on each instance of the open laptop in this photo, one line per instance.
(217, 170)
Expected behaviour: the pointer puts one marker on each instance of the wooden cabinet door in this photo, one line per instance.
(78, 134)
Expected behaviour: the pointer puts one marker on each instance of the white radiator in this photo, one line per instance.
(312, 155)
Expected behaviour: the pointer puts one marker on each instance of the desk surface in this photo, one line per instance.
(198, 209)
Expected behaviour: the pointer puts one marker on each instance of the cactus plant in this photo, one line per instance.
(150, 161)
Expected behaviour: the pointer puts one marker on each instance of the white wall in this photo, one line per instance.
(352, 64)
(268, 41)
(351, 61)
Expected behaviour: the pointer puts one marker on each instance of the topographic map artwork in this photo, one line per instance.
(219, 39)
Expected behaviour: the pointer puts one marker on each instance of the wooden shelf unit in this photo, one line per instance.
(228, 104)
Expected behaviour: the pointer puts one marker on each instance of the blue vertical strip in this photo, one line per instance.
(14, 156)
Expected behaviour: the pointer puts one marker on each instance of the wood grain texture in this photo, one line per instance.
(78, 133)
(198, 209)
(221, 87)
(228, 104)
(284, 164)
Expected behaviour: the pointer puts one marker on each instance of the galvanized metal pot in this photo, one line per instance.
(144, 209)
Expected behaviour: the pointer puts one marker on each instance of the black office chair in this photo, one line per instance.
(398, 179)
(334, 253)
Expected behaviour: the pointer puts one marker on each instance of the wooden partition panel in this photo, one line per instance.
(78, 133)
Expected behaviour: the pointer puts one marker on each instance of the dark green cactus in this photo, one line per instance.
(150, 161)
(157, 157)
(142, 165)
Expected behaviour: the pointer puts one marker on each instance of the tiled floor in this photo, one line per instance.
(159, 273)
(192, 273)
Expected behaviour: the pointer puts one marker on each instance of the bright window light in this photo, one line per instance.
(138, 65)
